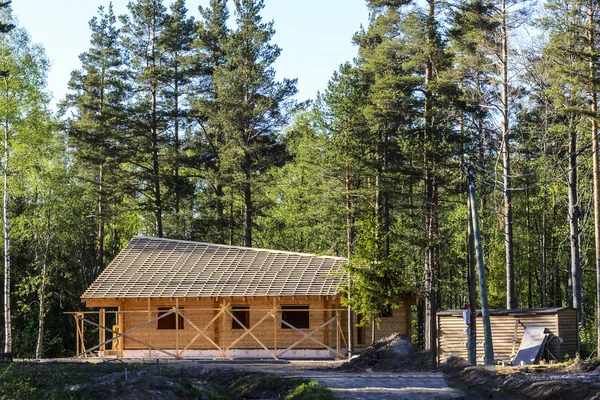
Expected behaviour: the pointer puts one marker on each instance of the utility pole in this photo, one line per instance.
(472, 329)
(485, 311)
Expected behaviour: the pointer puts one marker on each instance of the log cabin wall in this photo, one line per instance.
(452, 338)
(270, 332)
(399, 321)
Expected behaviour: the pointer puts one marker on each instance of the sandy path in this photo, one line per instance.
(359, 385)
(379, 385)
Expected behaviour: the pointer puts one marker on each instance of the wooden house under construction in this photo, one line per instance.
(181, 299)
(507, 328)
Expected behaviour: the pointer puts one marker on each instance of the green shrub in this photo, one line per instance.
(310, 391)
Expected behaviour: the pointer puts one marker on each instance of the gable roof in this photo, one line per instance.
(150, 267)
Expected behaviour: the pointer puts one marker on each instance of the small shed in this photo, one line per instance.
(507, 331)
(182, 299)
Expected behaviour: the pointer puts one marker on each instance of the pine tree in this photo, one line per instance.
(565, 55)
(341, 117)
(141, 39)
(97, 121)
(176, 43)
(258, 106)
(209, 111)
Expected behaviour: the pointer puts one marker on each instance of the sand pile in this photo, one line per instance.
(392, 353)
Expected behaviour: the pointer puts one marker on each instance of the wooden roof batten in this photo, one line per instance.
(166, 268)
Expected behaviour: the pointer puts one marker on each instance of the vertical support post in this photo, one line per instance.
(76, 333)
(472, 329)
(82, 331)
(149, 331)
(337, 333)
(102, 330)
(275, 326)
(177, 328)
(121, 330)
(223, 307)
(485, 311)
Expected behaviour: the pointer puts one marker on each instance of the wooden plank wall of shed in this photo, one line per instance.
(453, 338)
(222, 332)
(399, 322)
(567, 330)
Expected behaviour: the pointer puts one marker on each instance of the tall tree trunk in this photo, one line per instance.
(431, 267)
(221, 225)
(43, 260)
(156, 168)
(100, 238)
(154, 136)
(7, 265)
(349, 240)
(39, 348)
(247, 201)
(575, 263)
(511, 301)
(594, 132)
(100, 216)
(543, 272)
(176, 142)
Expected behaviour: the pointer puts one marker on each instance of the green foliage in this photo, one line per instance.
(310, 390)
(178, 127)
(15, 382)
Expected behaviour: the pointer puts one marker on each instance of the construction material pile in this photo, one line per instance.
(392, 353)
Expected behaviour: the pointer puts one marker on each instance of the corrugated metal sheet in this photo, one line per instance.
(150, 267)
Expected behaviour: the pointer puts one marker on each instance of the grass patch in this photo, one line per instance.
(261, 385)
(310, 391)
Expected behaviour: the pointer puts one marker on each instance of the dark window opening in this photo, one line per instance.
(386, 312)
(361, 337)
(243, 315)
(169, 322)
(297, 316)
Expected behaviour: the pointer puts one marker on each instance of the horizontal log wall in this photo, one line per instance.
(202, 311)
(399, 322)
(136, 312)
(452, 337)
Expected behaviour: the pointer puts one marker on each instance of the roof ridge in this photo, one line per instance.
(238, 247)
(149, 267)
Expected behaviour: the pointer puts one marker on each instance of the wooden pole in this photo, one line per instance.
(77, 333)
(177, 327)
(121, 315)
(102, 330)
(274, 326)
(472, 330)
(485, 311)
(149, 331)
(337, 332)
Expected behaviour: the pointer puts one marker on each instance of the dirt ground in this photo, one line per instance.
(392, 368)
(345, 385)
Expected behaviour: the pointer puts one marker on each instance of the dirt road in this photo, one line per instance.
(357, 385)
(380, 385)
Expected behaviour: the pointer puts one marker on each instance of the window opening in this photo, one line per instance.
(169, 322)
(242, 313)
(297, 316)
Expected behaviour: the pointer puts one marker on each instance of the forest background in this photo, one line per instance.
(175, 126)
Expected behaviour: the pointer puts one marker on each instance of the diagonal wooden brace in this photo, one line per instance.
(125, 334)
(247, 332)
(308, 336)
(201, 333)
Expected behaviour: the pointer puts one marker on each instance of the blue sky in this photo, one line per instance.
(315, 35)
